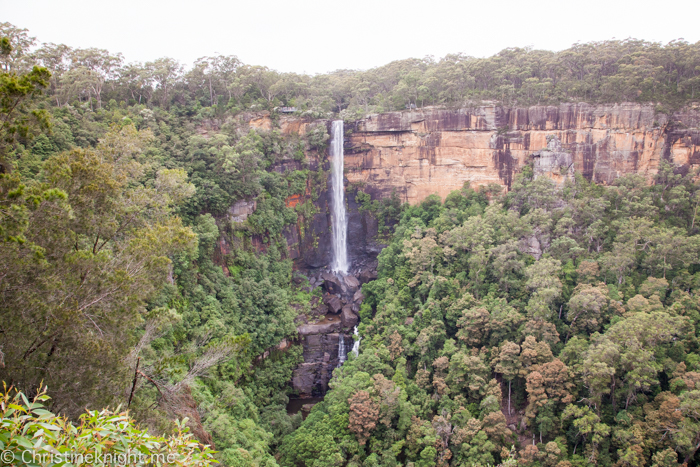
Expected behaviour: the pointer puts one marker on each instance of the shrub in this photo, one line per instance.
(36, 436)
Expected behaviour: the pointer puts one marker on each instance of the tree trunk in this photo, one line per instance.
(612, 397)
(509, 381)
(133, 386)
(691, 454)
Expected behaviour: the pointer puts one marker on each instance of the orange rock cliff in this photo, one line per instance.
(422, 152)
(425, 151)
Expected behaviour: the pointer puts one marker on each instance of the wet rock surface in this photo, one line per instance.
(341, 299)
(351, 282)
(348, 317)
(331, 283)
(320, 359)
(358, 297)
(335, 304)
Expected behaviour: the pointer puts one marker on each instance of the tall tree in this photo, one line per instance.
(508, 364)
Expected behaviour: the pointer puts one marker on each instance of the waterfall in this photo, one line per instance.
(356, 344)
(340, 220)
(342, 351)
(342, 348)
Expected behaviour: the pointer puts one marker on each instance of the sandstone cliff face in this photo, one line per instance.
(421, 152)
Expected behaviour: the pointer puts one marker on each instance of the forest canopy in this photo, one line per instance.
(560, 322)
(611, 71)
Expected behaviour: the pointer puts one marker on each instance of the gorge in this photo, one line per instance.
(416, 153)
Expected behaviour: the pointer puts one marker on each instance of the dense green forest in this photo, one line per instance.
(550, 326)
(109, 218)
(559, 320)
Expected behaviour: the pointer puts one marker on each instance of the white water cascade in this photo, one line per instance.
(340, 219)
(342, 351)
(340, 263)
(356, 344)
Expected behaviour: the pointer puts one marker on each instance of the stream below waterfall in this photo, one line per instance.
(343, 348)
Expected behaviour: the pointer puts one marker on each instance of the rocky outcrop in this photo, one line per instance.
(321, 340)
(241, 209)
(320, 343)
(421, 152)
(553, 162)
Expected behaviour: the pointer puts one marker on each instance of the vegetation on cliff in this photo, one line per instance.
(111, 289)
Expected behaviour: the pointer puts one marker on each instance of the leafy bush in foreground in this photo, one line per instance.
(35, 436)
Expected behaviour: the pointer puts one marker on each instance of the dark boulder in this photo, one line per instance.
(352, 282)
(367, 276)
(348, 318)
(318, 307)
(358, 297)
(334, 303)
(331, 283)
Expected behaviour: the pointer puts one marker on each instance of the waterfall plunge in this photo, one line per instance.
(340, 219)
(340, 225)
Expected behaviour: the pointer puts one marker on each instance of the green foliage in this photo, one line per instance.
(85, 247)
(609, 71)
(34, 436)
(318, 137)
(387, 211)
(98, 225)
(21, 118)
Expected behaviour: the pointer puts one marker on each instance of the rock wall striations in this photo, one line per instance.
(421, 152)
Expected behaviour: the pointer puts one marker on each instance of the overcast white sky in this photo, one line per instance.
(315, 36)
